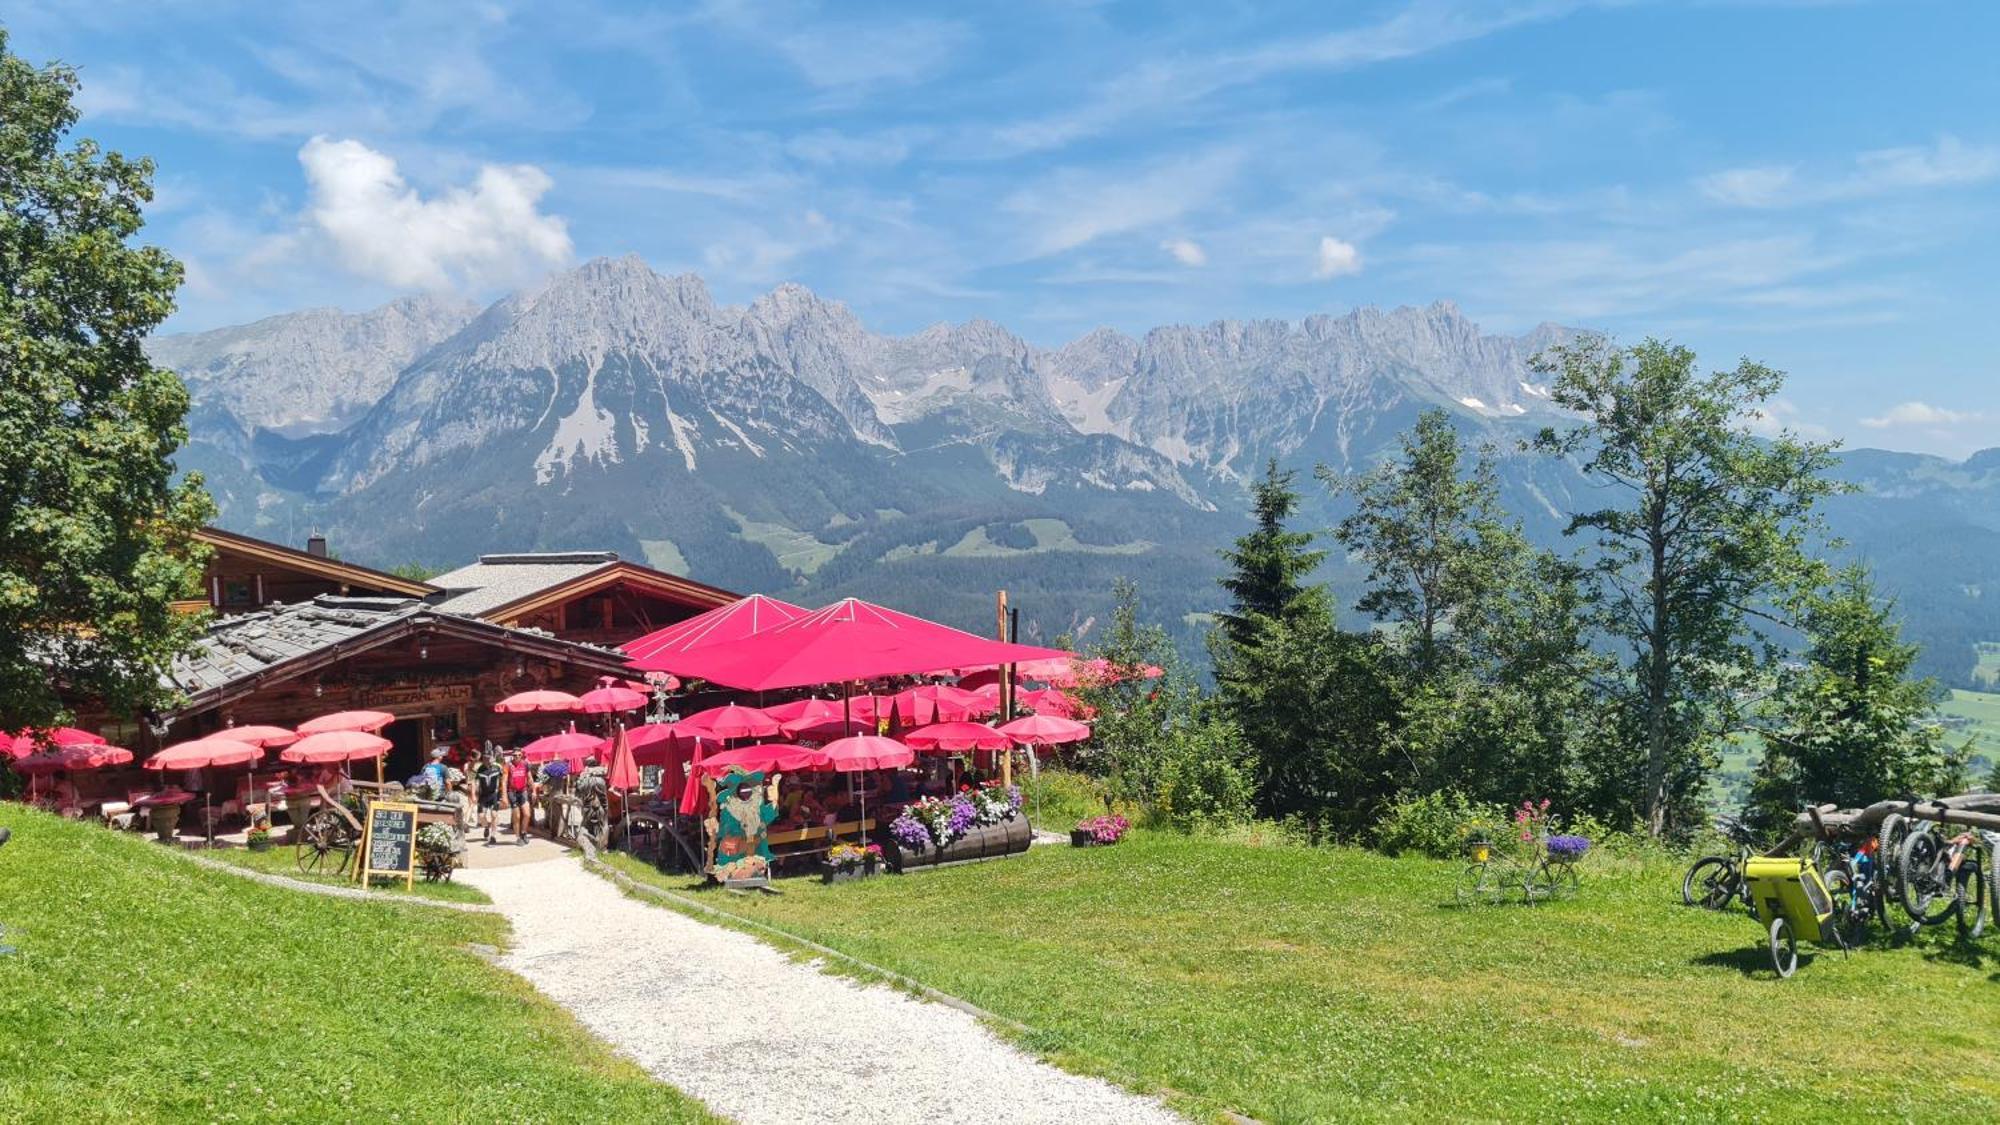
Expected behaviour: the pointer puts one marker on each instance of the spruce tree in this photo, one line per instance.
(1270, 565)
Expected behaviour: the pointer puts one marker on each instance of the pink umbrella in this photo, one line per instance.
(78, 757)
(264, 736)
(765, 757)
(532, 702)
(1044, 730)
(807, 714)
(954, 738)
(571, 746)
(624, 769)
(23, 743)
(1057, 702)
(731, 622)
(733, 721)
(867, 752)
(201, 753)
(369, 721)
(335, 746)
(609, 700)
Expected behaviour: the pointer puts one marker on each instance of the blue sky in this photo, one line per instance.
(1813, 184)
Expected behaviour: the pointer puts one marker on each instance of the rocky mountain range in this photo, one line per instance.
(782, 446)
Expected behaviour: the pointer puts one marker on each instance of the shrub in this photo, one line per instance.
(1436, 824)
(1203, 780)
(1058, 795)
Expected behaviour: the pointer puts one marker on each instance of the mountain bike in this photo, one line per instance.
(1943, 877)
(1714, 881)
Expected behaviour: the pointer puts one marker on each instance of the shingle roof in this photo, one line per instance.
(496, 580)
(235, 647)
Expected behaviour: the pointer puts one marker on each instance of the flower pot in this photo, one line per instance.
(259, 843)
(831, 875)
(1082, 838)
(166, 819)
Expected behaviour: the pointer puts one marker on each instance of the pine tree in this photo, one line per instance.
(1269, 566)
(1851, 725)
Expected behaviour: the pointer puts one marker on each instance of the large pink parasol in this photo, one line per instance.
(849, 640)
(571, 746)
(370, 721)
(336, 746)
(720, 625)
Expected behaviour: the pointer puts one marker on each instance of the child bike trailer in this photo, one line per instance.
(1792, 903)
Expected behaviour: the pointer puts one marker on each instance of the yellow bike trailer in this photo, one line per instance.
(1792, 902)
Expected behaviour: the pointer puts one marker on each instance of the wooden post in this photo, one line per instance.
(1006, 689)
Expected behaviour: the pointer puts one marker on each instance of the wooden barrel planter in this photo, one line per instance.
(1009, 837)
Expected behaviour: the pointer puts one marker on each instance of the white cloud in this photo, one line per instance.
(1913, 413)
(1336, 258)
(1186, 251)
(491, 233)
(1071, 208)
(1948, 163)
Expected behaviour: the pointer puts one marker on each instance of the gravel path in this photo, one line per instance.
(751, 1033)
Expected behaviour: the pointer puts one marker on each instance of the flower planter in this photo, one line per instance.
(1009, 837)
(831, 875)
(1084, 838)
(166, 820)
(259, 843)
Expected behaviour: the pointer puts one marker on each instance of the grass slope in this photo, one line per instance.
(1310, 985)
(150, 989)
(282, 860)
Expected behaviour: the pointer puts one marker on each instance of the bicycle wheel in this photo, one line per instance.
(1925, 883)
(1969, 892)
(1888, 853)
(1850, 924)
(1710, 883)
(1563, 881)
(1467, 892)
(1784, 948)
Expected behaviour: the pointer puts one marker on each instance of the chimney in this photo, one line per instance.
(316, 545)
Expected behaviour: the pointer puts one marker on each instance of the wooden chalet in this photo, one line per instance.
(245, 575)
(589, 596)
(438, 672)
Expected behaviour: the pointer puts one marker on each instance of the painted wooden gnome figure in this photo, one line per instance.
(744, 809)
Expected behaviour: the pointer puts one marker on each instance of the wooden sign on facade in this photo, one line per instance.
(389, 842)
(417, 693)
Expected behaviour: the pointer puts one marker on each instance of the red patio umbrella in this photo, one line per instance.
(765, 757)
(720, 625)
(22, 743)
(865, 752)
(264, 736)
(335, 746)
(807, 714)
(370, 721)
(610, 700)
(532, 702)
(1057, 702)
(571, 746)
(1044, 730)
(847, 641)
(624, 768)
(955, 738)
(203, 753)
(79, 757)
(200, 753)
(732, 721)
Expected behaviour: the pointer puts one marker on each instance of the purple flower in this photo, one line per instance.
(1568, 848)
(910, 832)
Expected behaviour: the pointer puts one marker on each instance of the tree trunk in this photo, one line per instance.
(1658, 682)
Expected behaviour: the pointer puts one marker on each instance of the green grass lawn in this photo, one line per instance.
(1297, 984)
(1980, 713)
(148, 988)
(281, 860)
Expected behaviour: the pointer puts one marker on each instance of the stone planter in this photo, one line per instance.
(1009, 837)
(166, 820)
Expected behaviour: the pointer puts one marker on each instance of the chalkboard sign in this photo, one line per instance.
(390, 845)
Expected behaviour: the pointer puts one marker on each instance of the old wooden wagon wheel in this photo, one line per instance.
(327, 843)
